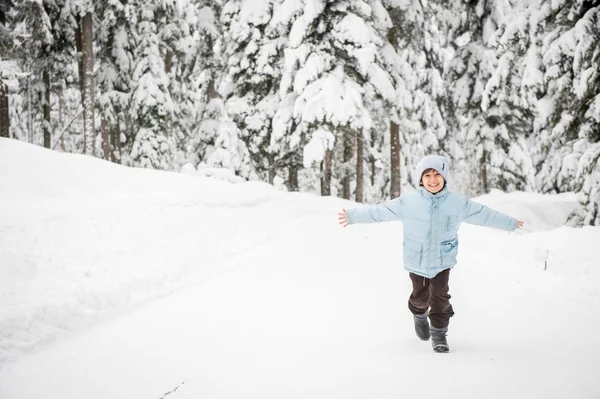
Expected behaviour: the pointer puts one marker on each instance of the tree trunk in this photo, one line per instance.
(372, 159)
(348, 153)
(169, 61)
(395, 160)
(61, 111)
(326, 169)
(293, 178)
(211, 92)
(4, 115)
(483, 171)
(272, 169)
(87, 79)
(360, 162)
(46, 107)
(115, 143)
(105, 133)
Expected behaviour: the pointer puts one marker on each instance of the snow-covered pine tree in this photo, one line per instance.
(493, 79)
(115, 40)
(254, 47)
(198, 72)
(151, 106)
(43, 48)
(566, 135)
(422, 34)
(34, 42)
(570, 52)
(180, 41)
(6, 46)
(333, 73)
(509, 101)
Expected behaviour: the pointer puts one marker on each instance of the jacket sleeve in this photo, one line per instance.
(384, 212)
(483, 216)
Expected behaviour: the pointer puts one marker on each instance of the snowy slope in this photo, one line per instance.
(127, 283)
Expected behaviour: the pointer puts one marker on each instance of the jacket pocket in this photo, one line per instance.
(448, 251)
(412, 252)
(451, 223)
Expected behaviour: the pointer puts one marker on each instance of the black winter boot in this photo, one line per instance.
(438, 339)
(422, 325)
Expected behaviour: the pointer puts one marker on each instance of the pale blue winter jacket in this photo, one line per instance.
(431, 225)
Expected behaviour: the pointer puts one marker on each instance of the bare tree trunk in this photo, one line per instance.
(4, 115)
(46, 107)
(292, 182)
(61, 110)
(87, 81)
(272, 169)
(372, 160)
(105, 132)
(212, 91)
(483, 171)
(115, 143)
(169, 61)
(326, 170)
(395, 160)
(360, 165)
(348, 153)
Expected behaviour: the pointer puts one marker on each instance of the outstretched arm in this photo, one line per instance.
(483, 216)
(385, 212)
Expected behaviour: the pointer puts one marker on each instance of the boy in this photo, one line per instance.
(431, 216)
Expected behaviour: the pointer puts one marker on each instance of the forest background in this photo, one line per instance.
(337, 97)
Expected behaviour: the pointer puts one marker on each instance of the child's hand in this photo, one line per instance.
(520, 224)
(342, 218)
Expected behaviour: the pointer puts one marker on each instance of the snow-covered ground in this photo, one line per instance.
(128, 283)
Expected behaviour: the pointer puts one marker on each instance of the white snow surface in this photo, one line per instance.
(128, 283)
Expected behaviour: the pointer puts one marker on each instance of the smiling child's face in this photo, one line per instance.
(432, 181)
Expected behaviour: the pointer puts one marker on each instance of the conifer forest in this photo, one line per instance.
(333, 97)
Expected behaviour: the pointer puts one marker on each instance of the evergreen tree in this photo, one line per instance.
(566, 130)
(334, 72)
(493, 80)
(116, 40)
(212, 141)
(254, 57)
(151, 106)
(422, 33)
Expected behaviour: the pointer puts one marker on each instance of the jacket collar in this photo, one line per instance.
(431, 197)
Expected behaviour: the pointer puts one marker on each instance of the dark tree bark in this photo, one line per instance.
(395, 160)
(86, 76)
(348, 153)
(372, 160)
(4, 115)
(105, 133)
(212, 91)
(61, 113)
(169, 61)
(360, 165)
(326, 168)
(115, 143)
(292, 182)
(272, 172)
(47, 126)
(483, 172)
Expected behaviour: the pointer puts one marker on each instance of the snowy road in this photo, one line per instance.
(320, 324)
(284, 303)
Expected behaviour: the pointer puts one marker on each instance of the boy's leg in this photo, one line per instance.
(418, 302)
(441, 310)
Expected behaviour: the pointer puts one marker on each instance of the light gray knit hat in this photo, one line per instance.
(439, 163)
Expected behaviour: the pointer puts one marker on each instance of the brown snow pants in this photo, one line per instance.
(432, 294)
